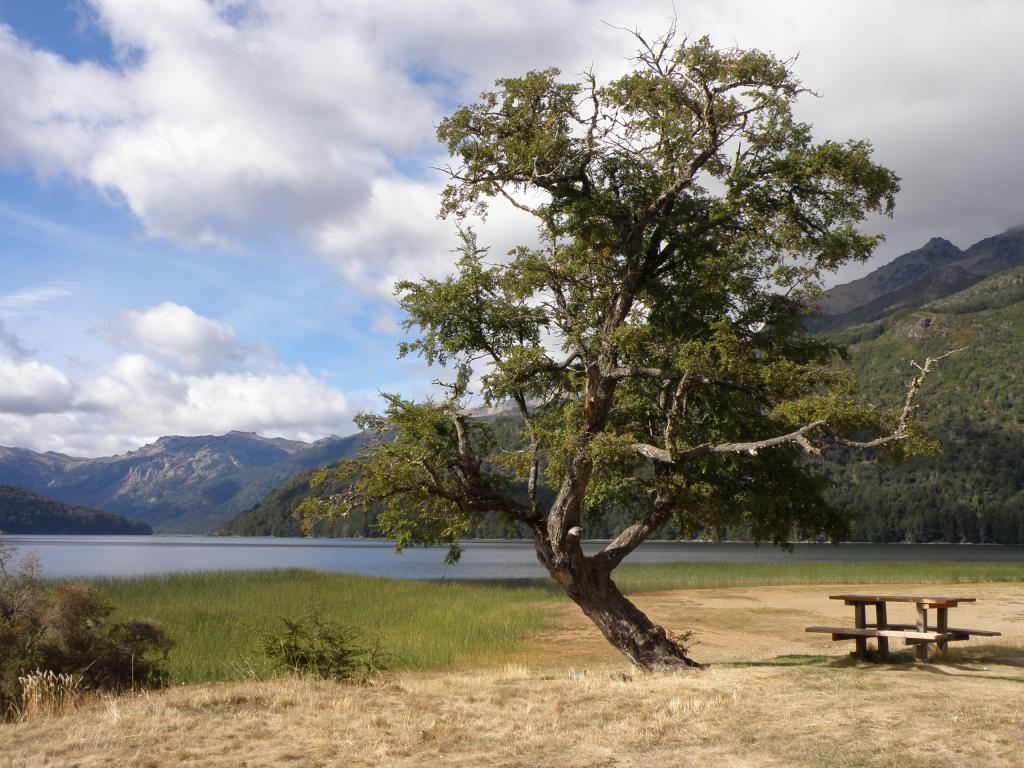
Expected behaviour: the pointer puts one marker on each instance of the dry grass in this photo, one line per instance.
(47, 694)
(737, 624)
(776, 697)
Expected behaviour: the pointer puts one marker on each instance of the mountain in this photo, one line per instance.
(974, 406)
(22, 511)
(926, 302)
(896, 274)
(935, 270)
(274, 514)
(177, 484)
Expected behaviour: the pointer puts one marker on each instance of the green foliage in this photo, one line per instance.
(311, 645)
(685, 219)
(22, 512)
(65, 629)
(423, 482)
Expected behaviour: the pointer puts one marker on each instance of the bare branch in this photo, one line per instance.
(903, 424)
(635, 372)
(816, 437)
(678, 405)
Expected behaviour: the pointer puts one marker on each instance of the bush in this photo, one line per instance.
(64, 630)
(312, 646)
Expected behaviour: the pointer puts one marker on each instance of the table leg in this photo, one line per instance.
(942, 625)
(922, 626)
(859, 621)
(883, 623)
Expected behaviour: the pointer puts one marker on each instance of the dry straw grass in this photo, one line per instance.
(47, 694)
(727, 716)
(775, 697)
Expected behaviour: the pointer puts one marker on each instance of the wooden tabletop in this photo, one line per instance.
(927, 599)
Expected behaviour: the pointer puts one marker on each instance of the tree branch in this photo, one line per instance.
(631, 538)
(816, 437)
(667, 374)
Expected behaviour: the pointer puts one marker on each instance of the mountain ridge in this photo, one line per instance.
(938, 268)
(974, 405)
(178, 483)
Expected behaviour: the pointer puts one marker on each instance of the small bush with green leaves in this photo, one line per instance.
(314, 646)
(64, 629)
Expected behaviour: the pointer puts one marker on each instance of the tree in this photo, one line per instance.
(652, 343)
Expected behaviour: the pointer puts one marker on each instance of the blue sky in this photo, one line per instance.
(203, 204)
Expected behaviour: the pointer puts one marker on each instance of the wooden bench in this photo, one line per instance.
(959, 633)
(848, 633)
(919, 634)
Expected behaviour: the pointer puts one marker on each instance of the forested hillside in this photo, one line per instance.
(23, 512)
(974, 405)
(973, 491)
(274, 515)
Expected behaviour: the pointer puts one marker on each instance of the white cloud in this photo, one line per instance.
(295, 403)
(227, 118)
(31, 302)
(138, 394)
(214, 127)
(231, 118)
(397, 236)
(136, 400)
(174, 381)
(178, 335)
(29, 387)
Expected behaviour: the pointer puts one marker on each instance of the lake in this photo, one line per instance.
(85, 556)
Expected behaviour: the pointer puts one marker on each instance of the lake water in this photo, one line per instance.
(63, 556)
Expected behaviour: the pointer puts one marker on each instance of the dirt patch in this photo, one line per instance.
(756, 623)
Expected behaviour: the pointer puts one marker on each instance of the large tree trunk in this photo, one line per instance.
(588, 580)
(625, 626)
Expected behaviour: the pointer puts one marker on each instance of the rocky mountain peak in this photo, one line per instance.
(190, 483)
(936, 269)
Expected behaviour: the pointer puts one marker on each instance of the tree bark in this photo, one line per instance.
(645, 643)
(629, 629)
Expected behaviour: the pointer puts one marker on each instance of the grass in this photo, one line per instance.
(214, 618)
(843, 716)
(773, 696)
(666, 576)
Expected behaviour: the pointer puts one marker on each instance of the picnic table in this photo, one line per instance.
(919, 634)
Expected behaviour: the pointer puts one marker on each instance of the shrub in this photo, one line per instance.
(312, 646)
(63, 630)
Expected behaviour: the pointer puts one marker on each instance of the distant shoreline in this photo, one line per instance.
(215, 539)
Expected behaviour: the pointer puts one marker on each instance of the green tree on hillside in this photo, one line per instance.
(652, 344)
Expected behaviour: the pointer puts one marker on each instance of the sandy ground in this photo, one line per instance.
(775, 696)
(750, 624)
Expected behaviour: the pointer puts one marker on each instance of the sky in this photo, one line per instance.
(204, 205)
